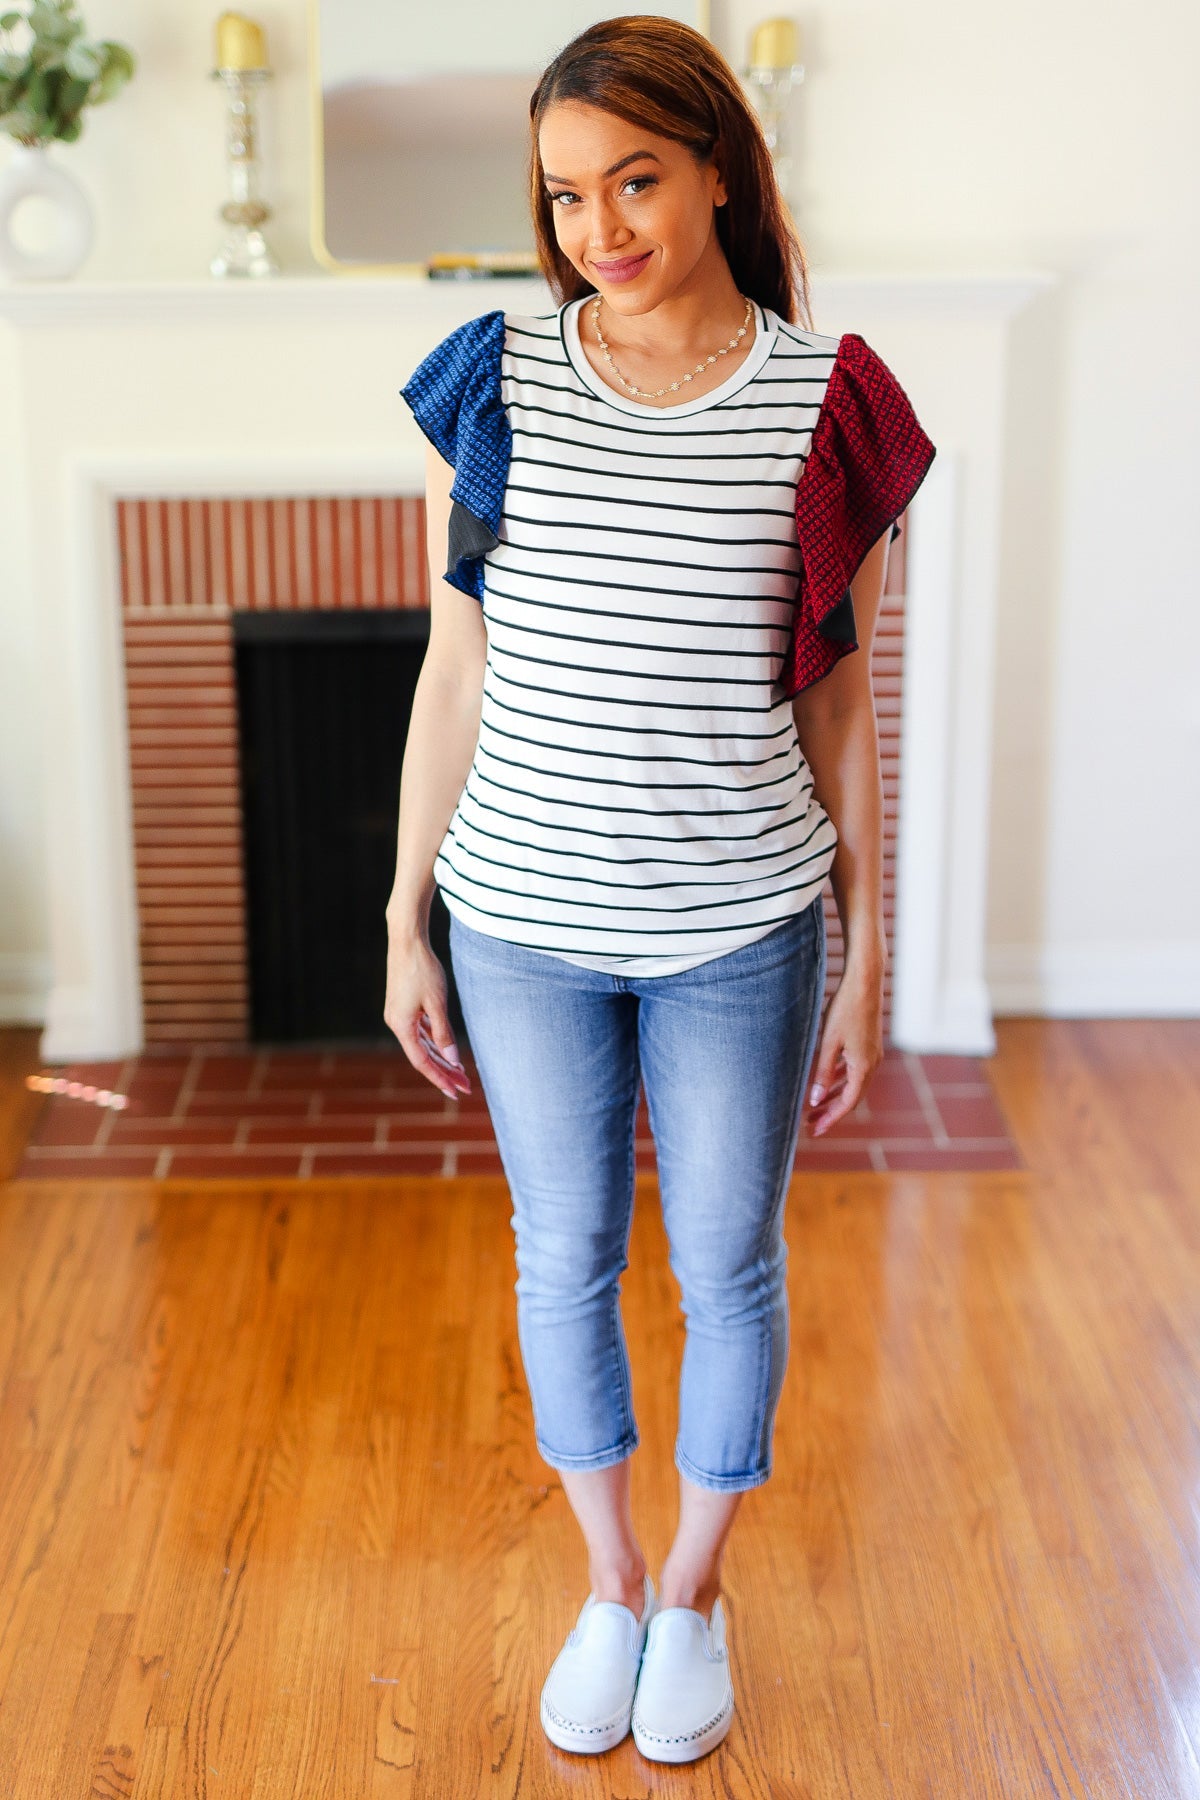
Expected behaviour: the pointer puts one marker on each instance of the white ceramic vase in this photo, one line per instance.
(27, 173)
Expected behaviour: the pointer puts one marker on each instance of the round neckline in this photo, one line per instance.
(760, 349)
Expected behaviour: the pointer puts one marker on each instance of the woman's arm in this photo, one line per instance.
(444, 726)
(838, 733)
(442, 734)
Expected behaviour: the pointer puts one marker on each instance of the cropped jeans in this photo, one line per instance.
(724, 1051)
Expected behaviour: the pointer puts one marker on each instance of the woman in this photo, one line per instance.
(664, 511)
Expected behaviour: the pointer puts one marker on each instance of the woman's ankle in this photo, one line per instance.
(625, 1584)
(699, 1592)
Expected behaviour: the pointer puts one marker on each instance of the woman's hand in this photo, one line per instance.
(415, 1010)
(850, 1048)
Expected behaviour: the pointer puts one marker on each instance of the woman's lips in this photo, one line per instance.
(625, 270)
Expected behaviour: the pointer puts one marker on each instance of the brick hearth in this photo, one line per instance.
(273, 1113)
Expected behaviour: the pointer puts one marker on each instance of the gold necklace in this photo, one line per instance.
(672, 386)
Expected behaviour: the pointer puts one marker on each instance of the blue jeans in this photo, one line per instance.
(724, 1050)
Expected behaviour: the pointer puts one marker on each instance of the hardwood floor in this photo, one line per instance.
(272, 1524)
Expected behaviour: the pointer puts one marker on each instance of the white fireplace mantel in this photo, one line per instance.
(997, 296)
(290, 386)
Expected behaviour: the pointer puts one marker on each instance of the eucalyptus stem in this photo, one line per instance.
(45, 85)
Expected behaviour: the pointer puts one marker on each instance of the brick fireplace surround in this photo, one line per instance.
(186, 565)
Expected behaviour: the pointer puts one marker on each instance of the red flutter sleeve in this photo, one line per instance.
(867, 458)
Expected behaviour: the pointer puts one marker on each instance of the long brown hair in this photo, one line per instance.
(669, 79)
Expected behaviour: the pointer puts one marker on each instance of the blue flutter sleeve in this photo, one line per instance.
(454, 396)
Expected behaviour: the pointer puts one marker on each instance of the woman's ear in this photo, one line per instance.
(716, 163)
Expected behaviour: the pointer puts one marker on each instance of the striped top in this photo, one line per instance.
(638, 801)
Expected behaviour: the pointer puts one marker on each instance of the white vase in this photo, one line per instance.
(29, 172)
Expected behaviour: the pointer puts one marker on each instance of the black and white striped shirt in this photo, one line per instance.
(638, 800)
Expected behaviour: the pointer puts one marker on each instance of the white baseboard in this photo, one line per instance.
(1096, 981)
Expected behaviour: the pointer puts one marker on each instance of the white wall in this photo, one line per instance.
(24, 959)
(932, 136)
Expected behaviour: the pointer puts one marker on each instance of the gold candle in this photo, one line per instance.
(775, 44)
(241, 44)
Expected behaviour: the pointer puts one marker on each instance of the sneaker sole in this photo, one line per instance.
(583, 1742)
(695, 1744)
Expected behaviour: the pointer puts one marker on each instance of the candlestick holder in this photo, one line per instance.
(244, 251)
(770, 89)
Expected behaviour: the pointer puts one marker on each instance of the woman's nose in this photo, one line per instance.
(606, 227)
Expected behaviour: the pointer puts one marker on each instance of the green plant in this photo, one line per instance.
(45, 87)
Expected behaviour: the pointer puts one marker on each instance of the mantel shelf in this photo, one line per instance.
(1000, 293)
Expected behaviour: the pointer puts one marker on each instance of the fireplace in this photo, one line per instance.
(276, 392)
(213, 592)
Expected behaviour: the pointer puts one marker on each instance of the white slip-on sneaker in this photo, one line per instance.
(588, 1694)
(684, 1701)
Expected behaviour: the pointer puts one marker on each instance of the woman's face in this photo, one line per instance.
(633, 212)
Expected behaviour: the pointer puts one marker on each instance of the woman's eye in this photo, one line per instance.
(564, 196)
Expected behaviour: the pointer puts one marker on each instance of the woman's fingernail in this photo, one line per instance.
(817, 1093)
(451, 1056)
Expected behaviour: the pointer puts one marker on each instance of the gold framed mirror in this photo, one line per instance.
(420, 125)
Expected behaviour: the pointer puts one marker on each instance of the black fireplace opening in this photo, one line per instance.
(324, 702)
